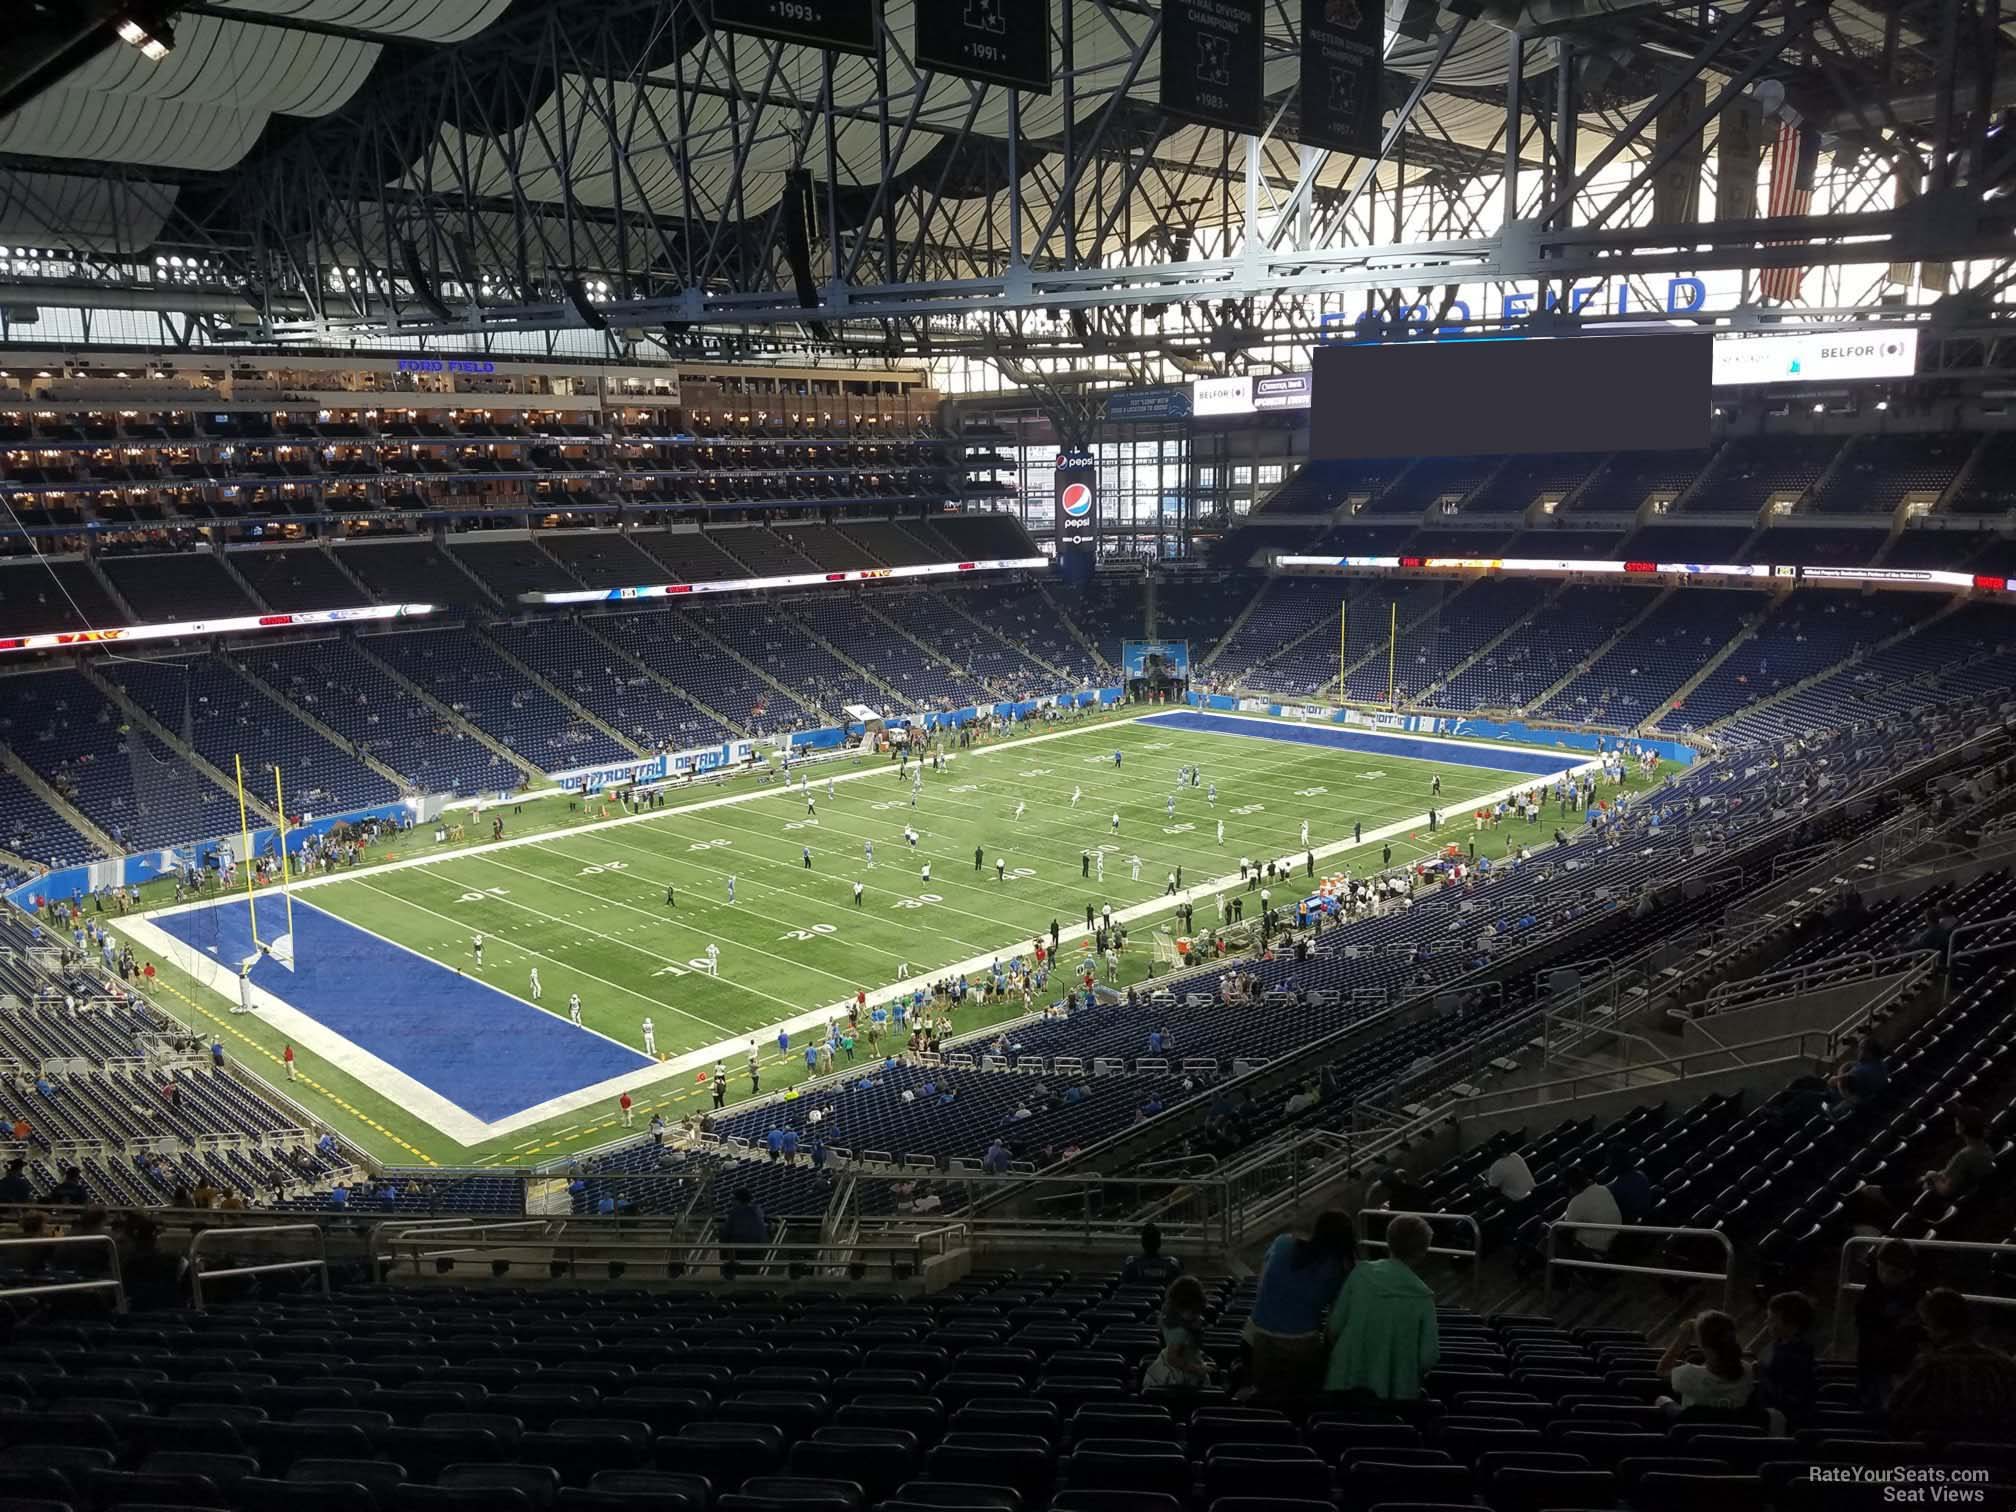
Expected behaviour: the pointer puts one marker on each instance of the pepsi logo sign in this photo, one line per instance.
(1076, 500)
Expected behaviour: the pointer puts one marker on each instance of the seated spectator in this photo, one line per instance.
(1862, 1081)
(1382, 1324)
(1723, 1381)
(1887, 1332)
(1788, 1377)
(1632, 1193)
(1510, 1177)
(1968, 1167)
(1393, 1189)
(1958, 1389)
(1182, 1363)
(1299, 1279)
(14, 1186)
(1592, 1203)
(69, 1192)
(1151, 1267)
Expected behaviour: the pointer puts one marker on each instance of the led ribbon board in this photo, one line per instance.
(70, 640)
(1896, 577)
(792, 580)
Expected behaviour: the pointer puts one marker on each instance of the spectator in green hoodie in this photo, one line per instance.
(1382, 1326)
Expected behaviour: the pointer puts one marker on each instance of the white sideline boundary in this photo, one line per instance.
(467, 1129)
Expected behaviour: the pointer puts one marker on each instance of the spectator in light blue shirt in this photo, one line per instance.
(775, 1140)
(340, 1197)
(811, 1059)
(995, 1161)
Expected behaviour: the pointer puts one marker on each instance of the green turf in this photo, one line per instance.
(587, 906)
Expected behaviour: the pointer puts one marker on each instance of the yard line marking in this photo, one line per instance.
(526, 950)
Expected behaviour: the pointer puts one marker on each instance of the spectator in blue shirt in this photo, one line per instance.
(811, 1059)
(790, 1144)
(1863, 1081)
(784, 1041)
(340, 1197)
(1299, 1280)
(995, 1161)
(775, 1140)
(1155, 1042)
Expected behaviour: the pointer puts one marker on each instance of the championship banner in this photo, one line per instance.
(1343, 100)
(1004, 42)
(836, 25)
(1211, 63)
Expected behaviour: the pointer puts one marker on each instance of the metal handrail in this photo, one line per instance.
(911, 1248)
(1844, 1286)
(1475, 1254)
(114, 1283)
(197, 1276)
(1793, 1042)
(1727, 1275)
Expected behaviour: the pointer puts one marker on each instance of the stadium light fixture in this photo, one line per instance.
(155, 39)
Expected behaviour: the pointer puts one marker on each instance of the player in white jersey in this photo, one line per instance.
(477, 945)
(1116, 821)
(650, 1038)
(574, 1007)
(910, 835)
(1099, 864)
(1171, 806)
(713, 959)
(868, 850)
(1212, 794)
(1134, 868)
(731, 888)
(1076, 794)
(1020, 808)
(926, 874)
(829, 787)
(536, 988)
(1221, 831)
(1305, 834)
(811, 808)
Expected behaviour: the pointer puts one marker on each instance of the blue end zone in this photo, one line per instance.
(1343, 738)
(487, 1052)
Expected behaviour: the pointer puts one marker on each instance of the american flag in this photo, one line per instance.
(1793, 162)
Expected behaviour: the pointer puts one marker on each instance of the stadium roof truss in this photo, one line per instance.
(386, 171)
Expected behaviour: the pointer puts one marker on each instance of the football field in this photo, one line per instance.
(732, 913)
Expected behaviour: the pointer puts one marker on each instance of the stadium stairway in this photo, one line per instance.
(559, 696)
(1238, 623)
(335, 559)
(588, 626)
(1425, 698)
(952, 602)
(702, 634)
(243, 583)
(834, 650)
(1071, 624)
(469, 727)
(111, 589)
(357, 751)
(1652, 601)
(1436, 605)
(1676, 702)
(54, 801)
(1854, 659)
(139, 716)
(930, 652)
